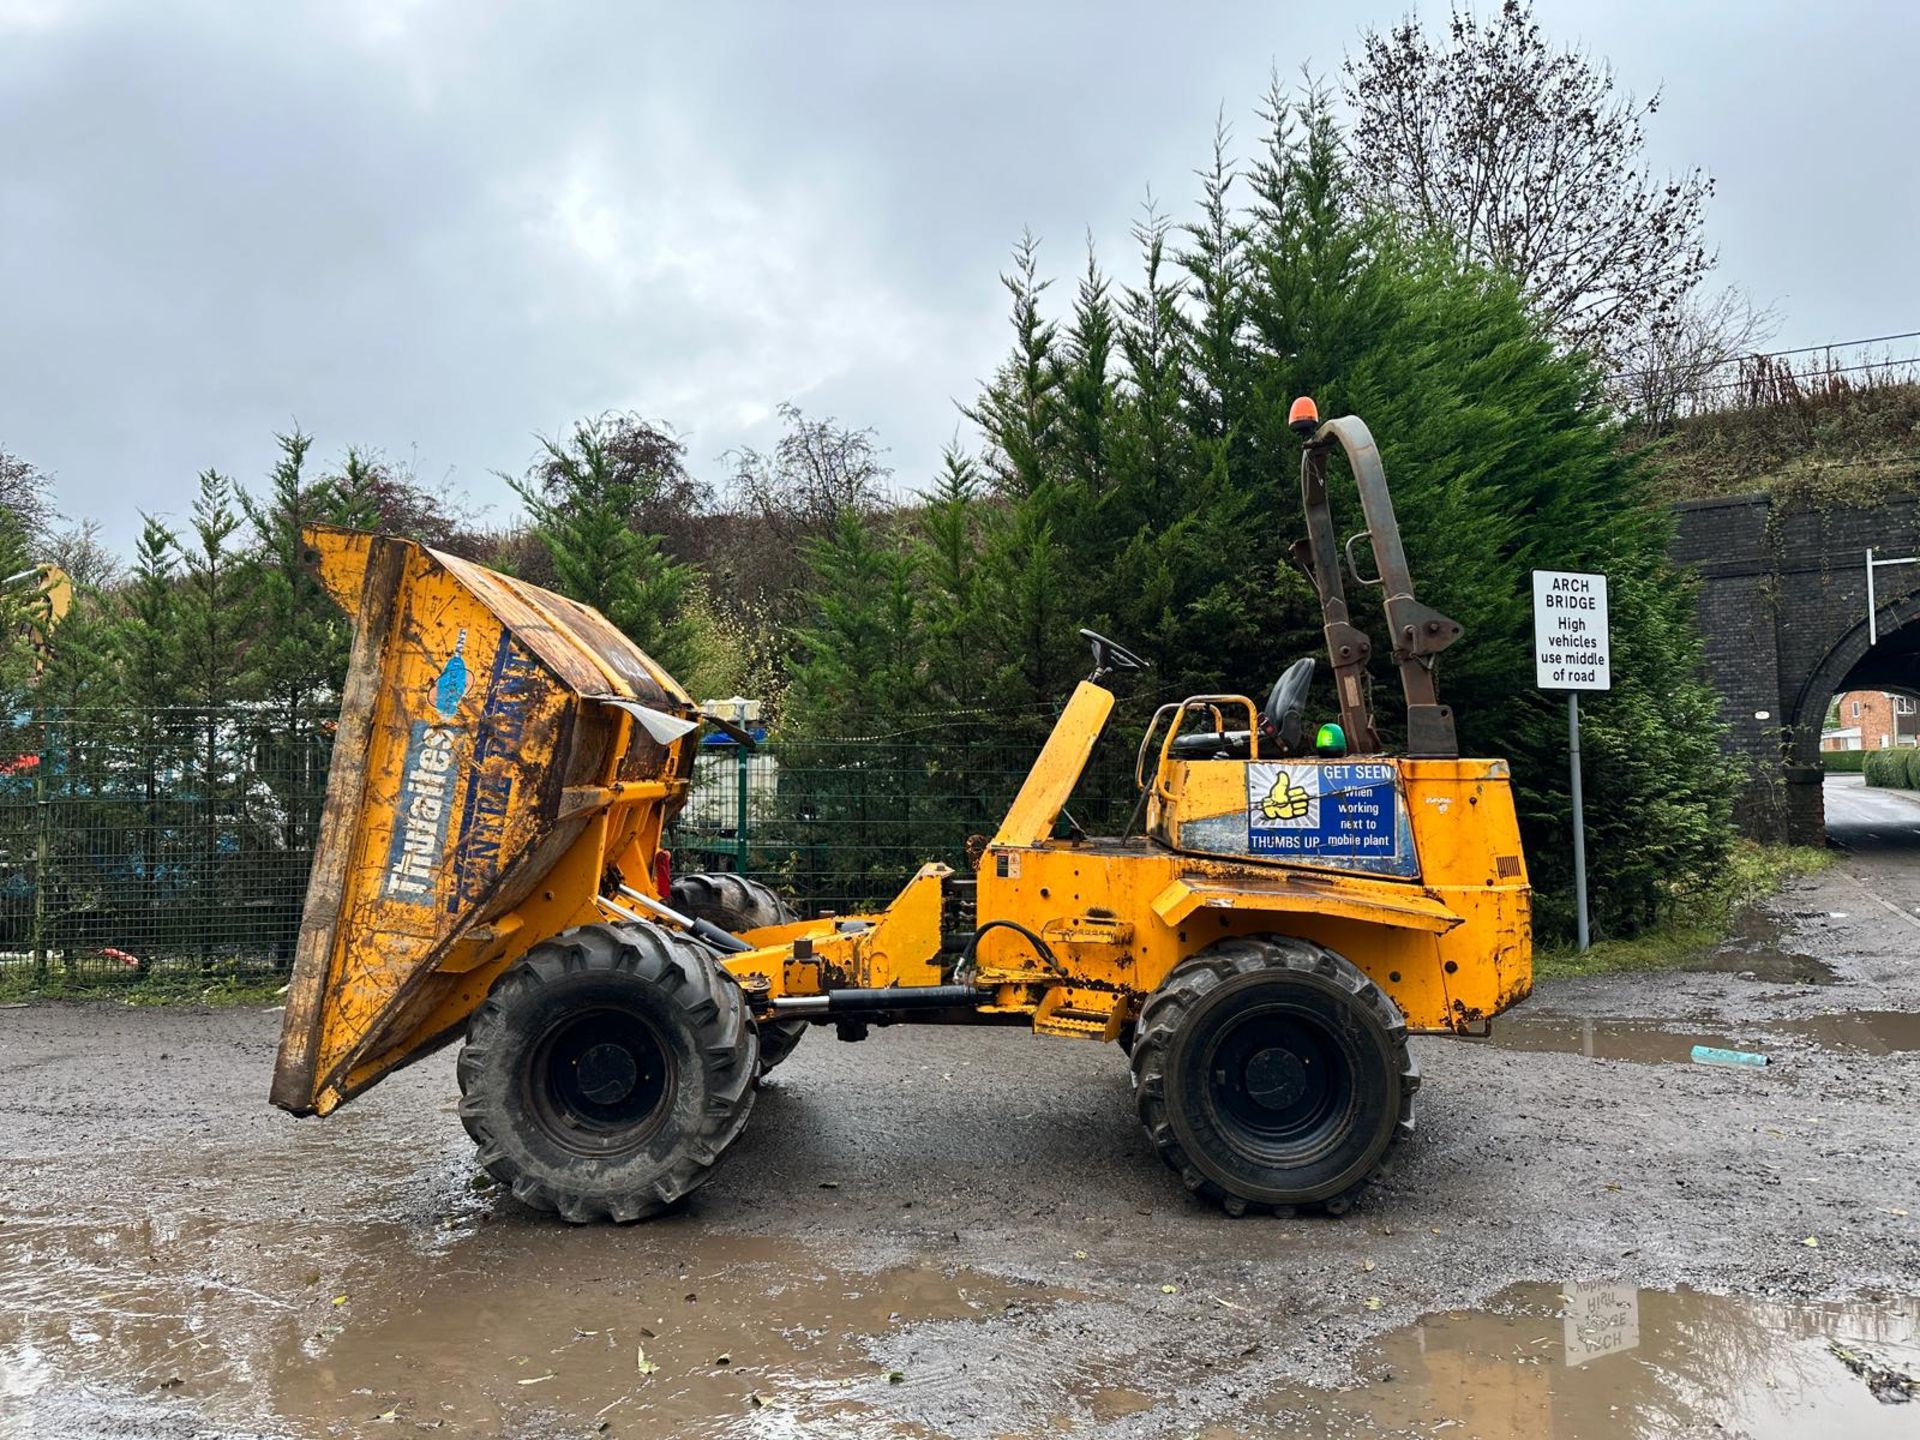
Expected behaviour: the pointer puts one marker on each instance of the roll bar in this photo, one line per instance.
(1419, 633)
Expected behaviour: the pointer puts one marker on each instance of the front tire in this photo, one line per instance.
(607, 1071)
(735, 904)
(1271, 1073)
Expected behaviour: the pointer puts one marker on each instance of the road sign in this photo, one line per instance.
(1571, 646)
(1572, 651)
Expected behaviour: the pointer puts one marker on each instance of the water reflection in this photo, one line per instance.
(1601, 1319)
(196, 1327)
(1873, 1032)
(1608, 1361)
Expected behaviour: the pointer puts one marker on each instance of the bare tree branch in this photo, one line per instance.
(1526, 158)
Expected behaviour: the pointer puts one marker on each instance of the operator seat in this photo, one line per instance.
(1281, 723)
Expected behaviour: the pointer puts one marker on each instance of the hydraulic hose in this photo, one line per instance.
(1040, 947)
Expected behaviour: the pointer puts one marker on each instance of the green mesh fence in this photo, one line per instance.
(840, 825)
(170, 841)
(177, 844)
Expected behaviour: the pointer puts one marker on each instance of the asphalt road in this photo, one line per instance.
(963, 1233)
(1867, 819)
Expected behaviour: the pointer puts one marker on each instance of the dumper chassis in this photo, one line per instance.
(491, 868)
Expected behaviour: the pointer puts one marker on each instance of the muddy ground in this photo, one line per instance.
(963, 1233)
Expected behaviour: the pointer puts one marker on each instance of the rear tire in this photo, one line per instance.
(1271, 1073)
(732, 902)
(607, 1071)
(735, 903)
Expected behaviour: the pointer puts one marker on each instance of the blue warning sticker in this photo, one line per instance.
(1322, 811)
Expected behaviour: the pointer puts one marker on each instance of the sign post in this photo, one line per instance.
(1572, 651)
(1873, 603)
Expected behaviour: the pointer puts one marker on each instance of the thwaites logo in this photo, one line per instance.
(420, 838)
(427, 778)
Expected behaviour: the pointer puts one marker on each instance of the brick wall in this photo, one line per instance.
(1883, 720)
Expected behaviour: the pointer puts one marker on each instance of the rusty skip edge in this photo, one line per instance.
(293, 1076)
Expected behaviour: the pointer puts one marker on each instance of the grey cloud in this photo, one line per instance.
(439, 228)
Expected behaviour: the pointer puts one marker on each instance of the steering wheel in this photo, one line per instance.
(1109, 656)
(1283, 718)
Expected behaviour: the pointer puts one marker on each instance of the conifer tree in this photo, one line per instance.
(1085, 385)
(860, 655)
(299, 653)
(582, 508)
(146, 647)
(957, 654)
(1020, 411)
(859, 671)
(215, 628)
(371, 493)
(1218, 371)
(353, 496)
(1038, 602)
(298, 664)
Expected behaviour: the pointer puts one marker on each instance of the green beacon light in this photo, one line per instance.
(1331, 741)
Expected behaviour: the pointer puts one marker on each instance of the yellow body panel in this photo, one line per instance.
(1293, 893)
(1451, 981)
(1449, 939)
(1057, 769)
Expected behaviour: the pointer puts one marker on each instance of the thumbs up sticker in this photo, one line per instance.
(1285, 801)
(1283, 797)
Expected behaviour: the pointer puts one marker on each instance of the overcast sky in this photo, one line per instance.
(440, 227)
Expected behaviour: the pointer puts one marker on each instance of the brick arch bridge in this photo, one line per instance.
(1783, 610)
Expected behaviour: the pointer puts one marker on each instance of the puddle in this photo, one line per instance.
(1871, 1032)
(1756, 951)
(1768, 964)
(185, 1324)
(1611, 1362)
(1644, 1040)
(510, 1329)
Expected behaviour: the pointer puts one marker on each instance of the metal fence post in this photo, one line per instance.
(42, 848)
(740, 818)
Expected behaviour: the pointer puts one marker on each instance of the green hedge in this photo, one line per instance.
(1843, 762)
(1894, 769)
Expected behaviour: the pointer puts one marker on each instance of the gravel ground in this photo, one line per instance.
(950, 1232)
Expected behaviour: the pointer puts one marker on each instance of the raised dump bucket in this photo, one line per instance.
(482, 749)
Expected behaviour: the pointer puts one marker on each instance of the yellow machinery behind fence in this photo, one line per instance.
(490, 865)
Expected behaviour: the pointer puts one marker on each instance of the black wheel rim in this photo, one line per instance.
(1280, 1083)
(600, 1080)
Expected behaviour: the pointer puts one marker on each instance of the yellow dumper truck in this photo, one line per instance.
(491, 869)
